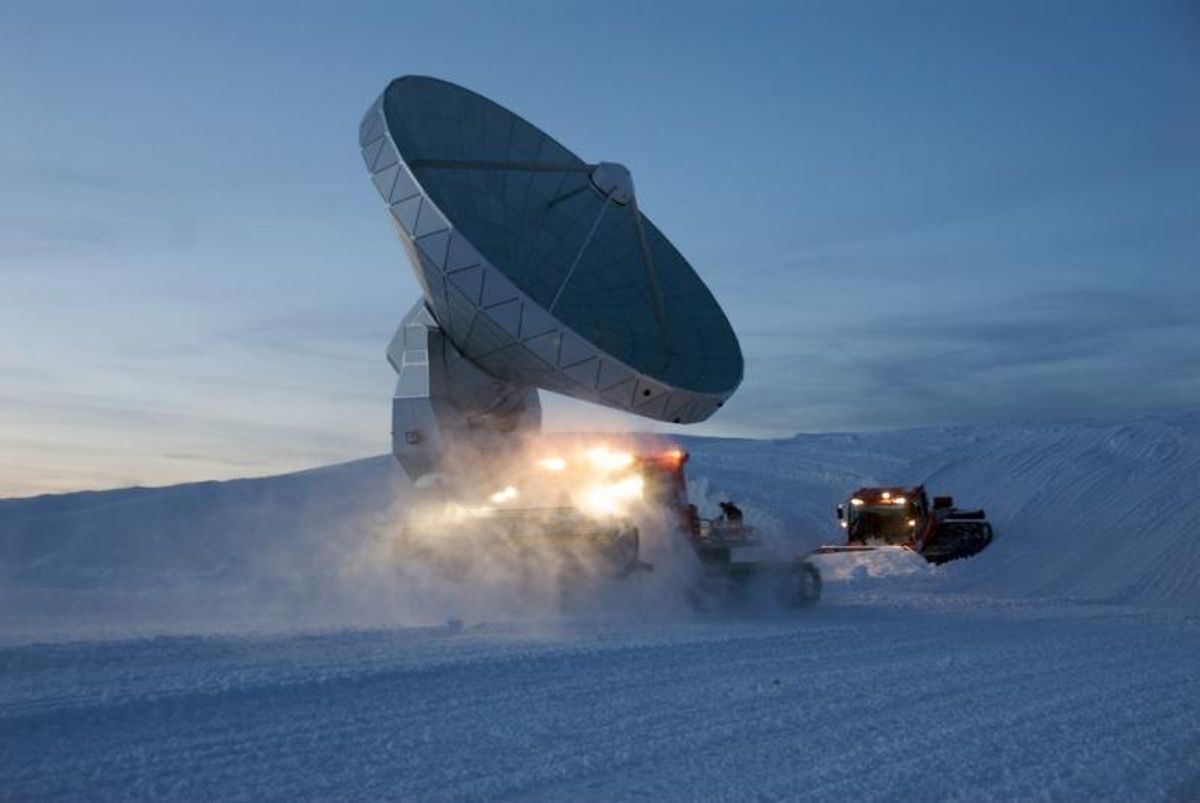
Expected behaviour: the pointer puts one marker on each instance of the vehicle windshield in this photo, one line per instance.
(886, 523)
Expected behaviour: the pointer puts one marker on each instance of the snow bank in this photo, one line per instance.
(1091, 511)
(1097, 511)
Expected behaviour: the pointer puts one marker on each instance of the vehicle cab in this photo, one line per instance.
(893, 516)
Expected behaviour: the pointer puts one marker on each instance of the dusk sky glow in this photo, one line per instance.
(913, 214)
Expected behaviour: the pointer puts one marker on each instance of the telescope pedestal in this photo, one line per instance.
(445, 408)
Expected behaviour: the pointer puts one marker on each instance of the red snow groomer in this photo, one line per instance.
(577, 511)
(904, 517)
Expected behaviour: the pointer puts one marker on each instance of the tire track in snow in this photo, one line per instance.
(648, 713)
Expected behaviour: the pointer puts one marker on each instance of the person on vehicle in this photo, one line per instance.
(731, 513)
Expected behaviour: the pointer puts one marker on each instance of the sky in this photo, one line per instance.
(915, 214)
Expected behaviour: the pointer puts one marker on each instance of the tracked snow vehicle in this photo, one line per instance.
(577, 516)
(904, 517)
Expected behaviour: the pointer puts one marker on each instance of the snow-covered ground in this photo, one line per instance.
(241, 640)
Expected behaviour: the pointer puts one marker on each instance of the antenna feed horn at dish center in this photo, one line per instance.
(613, 181)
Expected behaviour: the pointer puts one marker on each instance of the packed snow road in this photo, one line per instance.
(242, 640)
(862, 698)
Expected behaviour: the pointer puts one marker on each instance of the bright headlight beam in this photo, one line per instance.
(602, 457)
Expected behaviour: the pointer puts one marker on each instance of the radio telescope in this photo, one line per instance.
(538, 270)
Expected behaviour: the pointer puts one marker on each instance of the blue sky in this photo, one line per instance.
(914, 214)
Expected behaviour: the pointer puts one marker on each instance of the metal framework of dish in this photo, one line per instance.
(538, 270)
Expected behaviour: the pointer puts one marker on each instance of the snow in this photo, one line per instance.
(241, 640)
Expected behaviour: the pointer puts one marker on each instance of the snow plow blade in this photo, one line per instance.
(731, 572)
(837, 549)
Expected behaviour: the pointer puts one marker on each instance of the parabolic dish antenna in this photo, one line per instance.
(539, 270)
